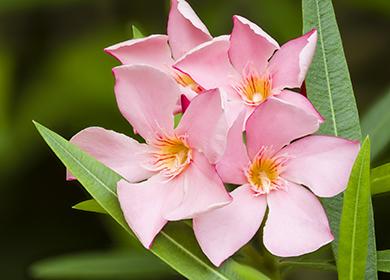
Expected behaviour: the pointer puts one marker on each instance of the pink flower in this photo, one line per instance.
(176, 164)
(250, 67)
(277, 170)
(185, 31)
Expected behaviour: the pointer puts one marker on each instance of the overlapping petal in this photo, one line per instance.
(223, 231)
(231, 167)
(142, 205)
(205, 125)
(117, 151)
(202, 190)
(147, 98)
(300, 101)
(297, 223)
(322, 163)
(289, 65)
(152, 50)
(185, 29)
(208, 64)
(250, 44)
(276, 123)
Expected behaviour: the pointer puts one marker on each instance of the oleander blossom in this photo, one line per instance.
(184, 31)
(171, 177)
(283, 167)
(249, 67)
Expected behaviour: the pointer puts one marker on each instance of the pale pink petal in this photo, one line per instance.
(224, 231)
(153, 50)
(208, 64)
(289, 65)
(300, 101)
(202, 190)
(205, 125)
(249, 44)
(231, 167)
(185, 29)
(117, 151)
(232, 104)
(276, 123)
(142, 206)
(147, 98)
(296, 223)
(322, 163)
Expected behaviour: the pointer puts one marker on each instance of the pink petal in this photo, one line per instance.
(249, 44)
(322, 163)
(289, 65)
(300, 101)
(153, 50)
(232, 104)
(147, 98)
(208, 64)
(276, 123)
(231, 167)
(117, 151)
(202, 190)
(142, 205)
(205, 125)
(296, 223)
(185, 29)
(224, 231)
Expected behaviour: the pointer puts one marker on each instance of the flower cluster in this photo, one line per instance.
(243, 123)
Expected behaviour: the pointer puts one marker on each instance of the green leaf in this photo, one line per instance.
(384, 260)
(247, 272)
(319, 264)
(176, 244)
(137, 33)
(177, 119)
(354, 219)
(101, 265)
(329, 87)
(380, 179)
(90, 205)
(376, 123)
(328, 83)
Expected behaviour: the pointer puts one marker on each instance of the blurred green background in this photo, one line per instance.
(53, 70)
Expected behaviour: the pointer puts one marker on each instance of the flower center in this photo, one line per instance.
(186, 81)
(263, 173)
(171, 155)
(254, 89)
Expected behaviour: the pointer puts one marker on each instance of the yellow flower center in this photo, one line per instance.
(263, 173)
(172, 155)
(186, 81)
(254, 89)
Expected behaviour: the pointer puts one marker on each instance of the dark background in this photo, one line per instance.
(53, 70)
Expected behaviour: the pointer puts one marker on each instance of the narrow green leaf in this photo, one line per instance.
(354, 219)
(137, 33)
(319, 264)
(328, 82)
(329, 87)
(247, 272)
(176, 244)
(90, 206)
(384, 260)
(376, 123)
(380, 179)
(101, 265)
(177, 119)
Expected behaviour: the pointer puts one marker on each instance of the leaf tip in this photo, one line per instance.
(136, 32)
